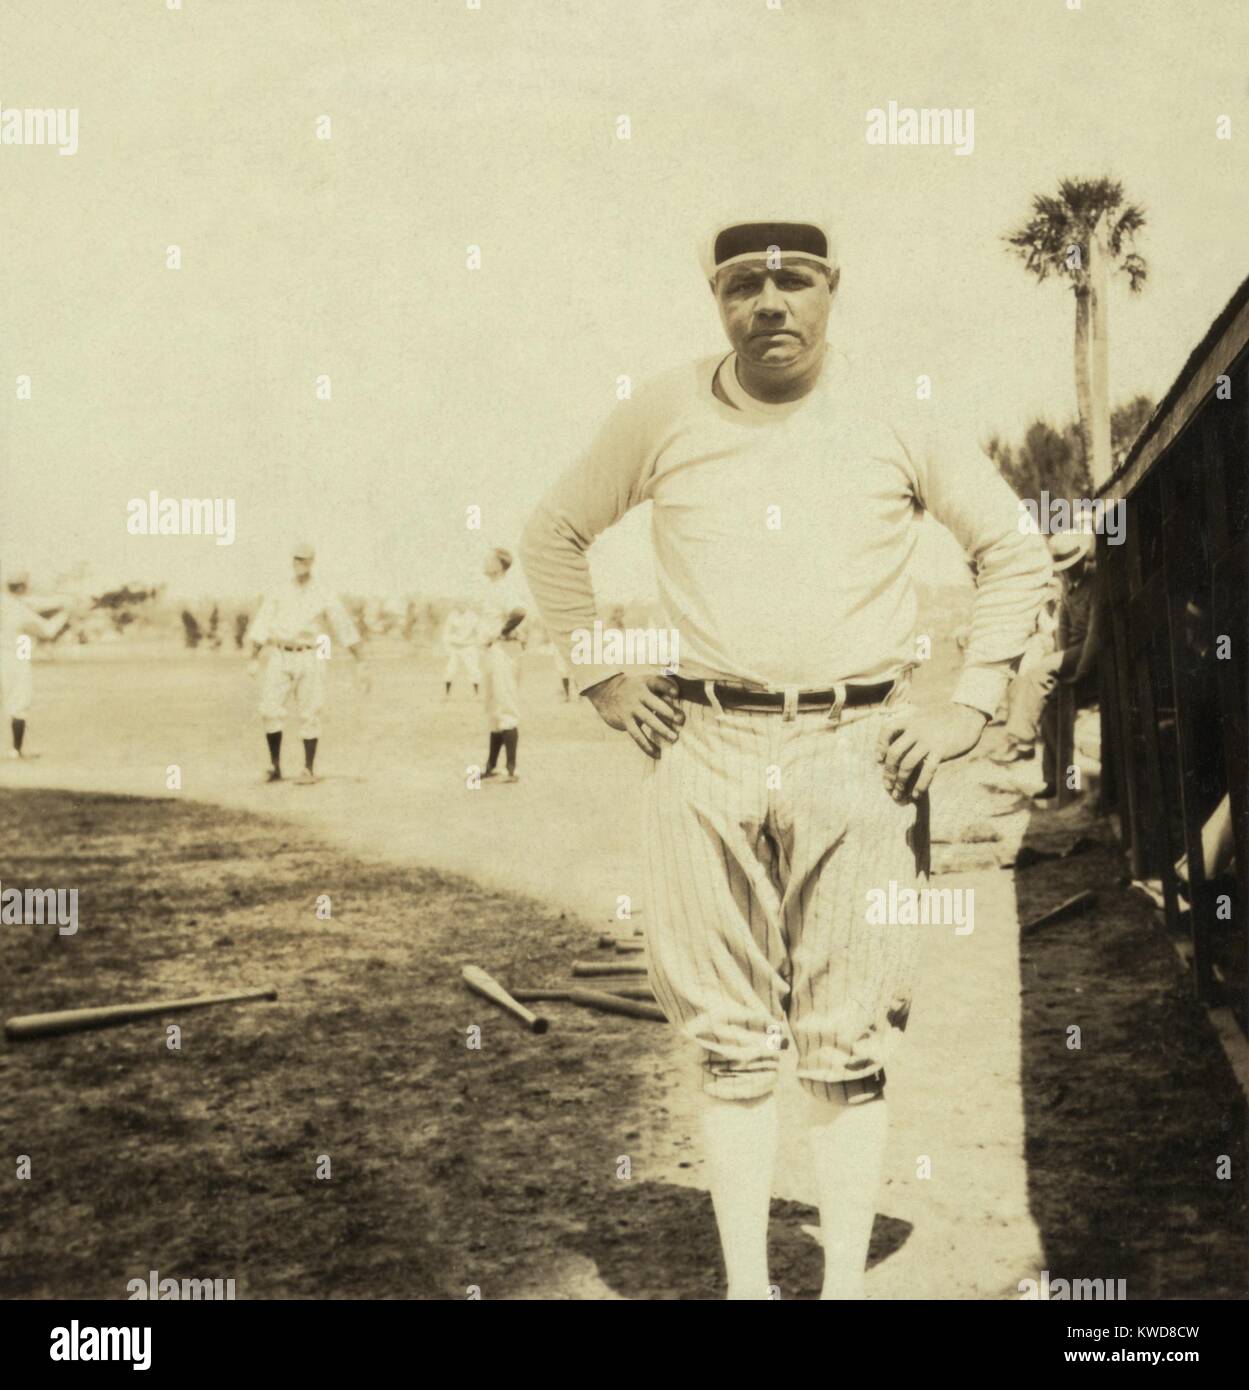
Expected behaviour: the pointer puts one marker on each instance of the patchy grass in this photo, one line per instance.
(450, 1166)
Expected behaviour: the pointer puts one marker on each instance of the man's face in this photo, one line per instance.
(493, 567)
(775, 319)
(18, 588)
(302, 565)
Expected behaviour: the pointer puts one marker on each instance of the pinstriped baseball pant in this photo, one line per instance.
(764, 836)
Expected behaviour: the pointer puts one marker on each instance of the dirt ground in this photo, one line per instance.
(501, 1168)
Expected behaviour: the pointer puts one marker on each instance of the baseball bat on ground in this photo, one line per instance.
(80, 1020)
(614, 1004)
(489, 988)
(1069, 907)
(621, 991)
(607, 967)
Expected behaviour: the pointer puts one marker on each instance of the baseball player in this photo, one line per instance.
(565, 674)
(459, 640)
(295, 621)
(1052, 655)
(18, 620)
(794, 773)
(499, 636)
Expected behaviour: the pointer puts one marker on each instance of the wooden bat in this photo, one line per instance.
(80, 1020)
(489, 988)
(530, 996)
(614, 1004)
(1070, 907)
(626, 989)
(630, 948)
(607, 967)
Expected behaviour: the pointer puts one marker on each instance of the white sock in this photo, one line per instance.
(847, 1148)
(740, 1140)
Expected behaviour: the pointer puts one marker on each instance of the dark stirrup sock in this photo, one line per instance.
(496, 745)
(19, 733)
(511, 737)
(310, 752)
(275, 747)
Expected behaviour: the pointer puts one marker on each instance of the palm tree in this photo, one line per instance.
(1076, 234)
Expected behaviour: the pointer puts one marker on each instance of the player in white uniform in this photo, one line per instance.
(794, 774)
(18, 623)
(499, 635)
(295, 621)
(564, 667)
(459, 641)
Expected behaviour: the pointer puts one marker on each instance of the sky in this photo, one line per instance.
(497, 127)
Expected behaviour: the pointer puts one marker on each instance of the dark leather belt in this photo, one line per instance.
(739, 697)
(295, 646)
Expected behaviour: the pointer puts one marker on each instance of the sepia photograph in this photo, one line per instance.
(624, 650)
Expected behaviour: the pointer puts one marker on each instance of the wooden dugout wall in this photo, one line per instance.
(1172, 663)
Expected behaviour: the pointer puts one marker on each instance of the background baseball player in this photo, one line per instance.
(459, 641)
(19, 620)
(499, 634)
(793, 779)
(295, 621)
(563, 666)
(1052, 655)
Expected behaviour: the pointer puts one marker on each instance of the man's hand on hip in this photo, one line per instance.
(644, 707)
(912, 746)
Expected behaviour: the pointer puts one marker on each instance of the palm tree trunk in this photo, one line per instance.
(1099, 361)
(1084, 386)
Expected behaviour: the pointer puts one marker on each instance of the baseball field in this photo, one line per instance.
(351, 1140)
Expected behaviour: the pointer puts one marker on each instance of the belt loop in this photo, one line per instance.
(709, 689)
(839, 700)
(790, 708)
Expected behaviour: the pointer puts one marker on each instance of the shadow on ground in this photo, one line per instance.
(655, 1240)
(1134, 1122)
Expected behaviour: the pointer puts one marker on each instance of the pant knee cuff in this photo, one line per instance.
(854, 1090)
(739, 1085)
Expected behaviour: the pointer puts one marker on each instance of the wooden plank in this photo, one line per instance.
(1147, 611)
(1214, 488)
(1142, 651)
(1109, 779)
(1065, 741)
(1231, 578)
(1115, 580)
(1178, 564)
